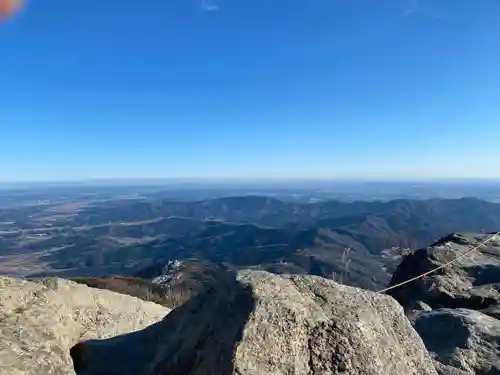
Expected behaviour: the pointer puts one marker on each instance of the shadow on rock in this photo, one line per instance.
(180, 344)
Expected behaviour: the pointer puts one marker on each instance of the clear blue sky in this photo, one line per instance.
(250, 88)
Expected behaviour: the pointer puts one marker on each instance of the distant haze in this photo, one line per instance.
(297, 190)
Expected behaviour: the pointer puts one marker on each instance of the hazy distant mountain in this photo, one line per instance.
(314, 251)
(277, 213)
(327, 239)
(350, 241)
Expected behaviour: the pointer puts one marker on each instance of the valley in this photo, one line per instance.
(129, 234)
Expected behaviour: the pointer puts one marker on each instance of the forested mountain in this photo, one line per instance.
(348, 241)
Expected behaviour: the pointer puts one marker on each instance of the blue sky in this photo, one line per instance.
(377, 89)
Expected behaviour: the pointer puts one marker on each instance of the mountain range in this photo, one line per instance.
(357, 243)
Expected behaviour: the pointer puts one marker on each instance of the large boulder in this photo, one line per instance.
(252, 324)
(461, 340)
(472, 282)
(41, 321)
(303, 325)
(455, 310)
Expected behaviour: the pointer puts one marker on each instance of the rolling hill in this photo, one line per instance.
(348, 241)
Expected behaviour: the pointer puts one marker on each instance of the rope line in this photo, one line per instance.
(491, 238)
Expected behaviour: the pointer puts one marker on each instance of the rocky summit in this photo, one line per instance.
(255, 323)
(41, 321)
(456, 311)
(303, 325)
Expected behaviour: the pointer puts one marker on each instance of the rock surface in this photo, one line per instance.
(41, 321)
(455, 311)
(473, 282)
(255, 323)
(462, 339)
(302, 325)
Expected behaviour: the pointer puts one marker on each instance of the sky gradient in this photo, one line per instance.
(373, 89)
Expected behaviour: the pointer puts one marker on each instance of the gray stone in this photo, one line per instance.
(493, 311)
(462, 332)
(41, 321)
(465, 340)
(257, 323)
(301, 325)
(473, 282)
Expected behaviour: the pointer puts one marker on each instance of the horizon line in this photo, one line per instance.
(210, 180)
